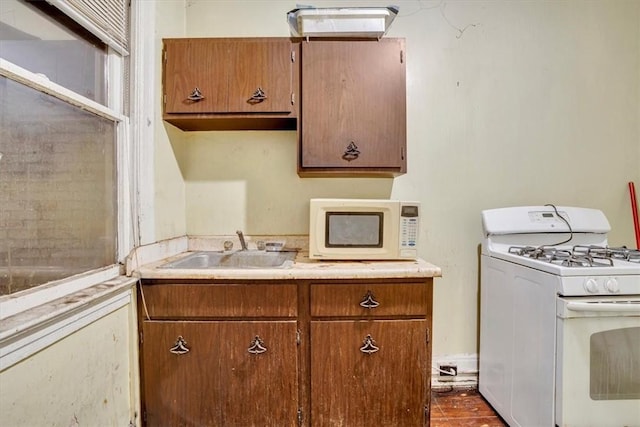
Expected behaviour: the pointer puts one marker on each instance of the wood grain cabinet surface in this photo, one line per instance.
(316, 353)
(219, 354)
(353, 117)
(229, 83)
(202, 373)
(370, 354)
(346, 98)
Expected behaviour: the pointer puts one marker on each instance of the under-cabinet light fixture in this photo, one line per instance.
(368, 22)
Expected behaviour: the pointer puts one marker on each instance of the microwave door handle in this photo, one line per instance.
(605, 307)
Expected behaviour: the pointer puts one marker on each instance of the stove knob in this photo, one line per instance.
(591, 286)
(612, 285)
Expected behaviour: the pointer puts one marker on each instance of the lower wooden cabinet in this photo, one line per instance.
(370, 352)
(369, 373)
(289, 353)
(220, 373)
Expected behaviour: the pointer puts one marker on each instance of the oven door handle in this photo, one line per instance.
(605, 307)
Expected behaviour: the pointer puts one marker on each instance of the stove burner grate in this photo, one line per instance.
(579, 260)
(579, 255)
(605, 252)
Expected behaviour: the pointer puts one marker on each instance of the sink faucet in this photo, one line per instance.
(242, 242)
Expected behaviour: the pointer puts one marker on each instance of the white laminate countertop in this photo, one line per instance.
(303, 268)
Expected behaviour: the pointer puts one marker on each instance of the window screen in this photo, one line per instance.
(57, 189)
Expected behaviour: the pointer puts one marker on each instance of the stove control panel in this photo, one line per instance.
(543, 219)
(548, 217)
(608, 285)
(600, 285)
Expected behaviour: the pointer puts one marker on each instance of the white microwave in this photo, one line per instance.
(363, 229)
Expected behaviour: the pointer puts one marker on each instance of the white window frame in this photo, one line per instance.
(33, 319)
(14, 304)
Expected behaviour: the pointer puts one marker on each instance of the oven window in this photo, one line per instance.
(354, 229)
(615, 364)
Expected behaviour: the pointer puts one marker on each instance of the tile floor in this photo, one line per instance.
(462, 408)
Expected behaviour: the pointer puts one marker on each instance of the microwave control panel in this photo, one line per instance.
(409, 220)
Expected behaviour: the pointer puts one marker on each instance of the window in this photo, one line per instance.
(41, 39)
(57, 189)
(59, 140)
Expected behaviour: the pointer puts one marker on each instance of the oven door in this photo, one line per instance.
(598, 361)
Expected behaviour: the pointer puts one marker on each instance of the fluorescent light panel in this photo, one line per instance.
(370, 22)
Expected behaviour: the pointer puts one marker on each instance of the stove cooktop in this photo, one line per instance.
(577, 277)
(572, 261)
(579, 256)
(569, 244)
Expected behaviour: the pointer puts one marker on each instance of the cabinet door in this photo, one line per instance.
(353, 384)
(196, 64)
(231, 75)
(262, 76)
(204, 374)
(353, 104)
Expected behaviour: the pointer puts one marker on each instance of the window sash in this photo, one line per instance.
(30, 298)
(43, 84)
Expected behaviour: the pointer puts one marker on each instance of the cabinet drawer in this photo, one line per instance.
(193, 301)
(369, 299)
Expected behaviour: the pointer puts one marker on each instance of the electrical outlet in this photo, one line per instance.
(448, 370)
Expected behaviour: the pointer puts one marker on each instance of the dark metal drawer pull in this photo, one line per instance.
(195, 96)
(180, 347)
(369, 345)
(258, 96)
(352, 152)
(257, 346)
(369, 301)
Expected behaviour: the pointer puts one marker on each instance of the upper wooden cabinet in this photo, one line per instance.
(353, 107)
(346, 98)
(237, 83)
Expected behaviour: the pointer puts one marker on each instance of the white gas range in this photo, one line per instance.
(560, 319)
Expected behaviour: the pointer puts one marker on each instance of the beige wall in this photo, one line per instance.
(169, 185)
(86, 379)
(508, 103)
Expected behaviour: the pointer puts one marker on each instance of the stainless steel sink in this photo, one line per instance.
(239, 259)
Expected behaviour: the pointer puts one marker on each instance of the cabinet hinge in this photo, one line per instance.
(427, 412)
(428, 336)
(402, 153)
(164, 56)
(402, 56)
(293, 98)
(141, 337)
(293, 56)
(299, 416)
(298, 337)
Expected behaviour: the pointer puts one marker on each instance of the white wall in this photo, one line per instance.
(508, 103)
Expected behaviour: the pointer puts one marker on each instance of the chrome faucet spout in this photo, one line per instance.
(242, 242)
